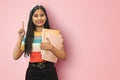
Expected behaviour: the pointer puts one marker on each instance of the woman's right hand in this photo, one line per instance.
(21, 32)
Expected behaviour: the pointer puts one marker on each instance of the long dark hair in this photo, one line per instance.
(31, 28)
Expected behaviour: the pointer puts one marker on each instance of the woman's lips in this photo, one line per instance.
(39, 22)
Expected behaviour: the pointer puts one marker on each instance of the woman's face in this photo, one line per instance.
(39, 18)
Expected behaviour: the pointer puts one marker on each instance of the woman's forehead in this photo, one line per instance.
(39, 11)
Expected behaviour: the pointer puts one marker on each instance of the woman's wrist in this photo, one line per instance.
(20, 37)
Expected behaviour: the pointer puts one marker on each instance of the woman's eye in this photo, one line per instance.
(35, 15)
(42, 15)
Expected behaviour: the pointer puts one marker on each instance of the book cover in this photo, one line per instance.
(56, 40)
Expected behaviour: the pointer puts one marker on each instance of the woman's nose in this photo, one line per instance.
(39, 17)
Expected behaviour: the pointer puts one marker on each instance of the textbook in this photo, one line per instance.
(56, 40)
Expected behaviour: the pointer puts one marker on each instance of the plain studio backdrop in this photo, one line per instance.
(91, 32)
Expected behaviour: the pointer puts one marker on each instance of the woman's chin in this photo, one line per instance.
(40, 25)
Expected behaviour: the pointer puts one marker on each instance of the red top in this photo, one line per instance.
(36, 57)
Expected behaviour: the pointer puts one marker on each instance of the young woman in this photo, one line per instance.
(30, 44)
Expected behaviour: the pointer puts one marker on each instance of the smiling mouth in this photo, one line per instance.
(40, 22)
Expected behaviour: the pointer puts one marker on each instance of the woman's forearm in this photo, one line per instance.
(58, 53)
(17, 50)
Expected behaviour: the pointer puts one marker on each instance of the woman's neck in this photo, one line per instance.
(39, 29)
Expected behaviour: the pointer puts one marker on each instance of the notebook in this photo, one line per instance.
(56, 40)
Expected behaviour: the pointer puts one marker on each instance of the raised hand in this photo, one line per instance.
(21, 32)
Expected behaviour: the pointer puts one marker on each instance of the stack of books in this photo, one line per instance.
(56, 40)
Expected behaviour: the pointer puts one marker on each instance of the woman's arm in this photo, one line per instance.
(58, 53)
(48, 46)
(17, 53)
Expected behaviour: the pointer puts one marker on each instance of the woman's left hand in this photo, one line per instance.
(46, 45)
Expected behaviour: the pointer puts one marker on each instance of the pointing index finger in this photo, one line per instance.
(22, 24)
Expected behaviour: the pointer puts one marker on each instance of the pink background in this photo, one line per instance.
(91, 31)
